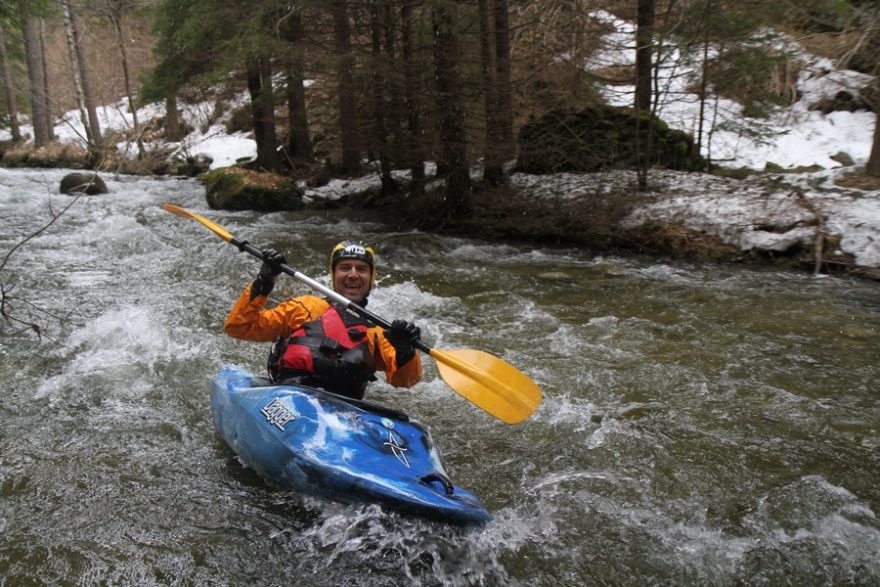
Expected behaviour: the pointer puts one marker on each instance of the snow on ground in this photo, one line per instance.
(761, 212)
(738, 212)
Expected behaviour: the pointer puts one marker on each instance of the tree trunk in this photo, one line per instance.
(493, 161)
(39, 115)
(49, 117)
(393, 86)
(389, 185)
(704, 92)
(83, 66)
(262, 108)
(268, 98)
(116, 17)
(873, 165)
(77, 78)
(502, 81)
(299, 143)
(173, 125)
(450, 106)
(644, 40)
(410, 90)
(9, 89)
(351, 160)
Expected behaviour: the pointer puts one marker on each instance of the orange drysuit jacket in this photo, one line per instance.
(249, 320)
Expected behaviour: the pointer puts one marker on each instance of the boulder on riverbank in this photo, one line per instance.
(600, 138)
(237, 188)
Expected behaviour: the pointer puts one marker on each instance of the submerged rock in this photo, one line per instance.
(556, 276)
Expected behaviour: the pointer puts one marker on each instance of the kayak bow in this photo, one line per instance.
(325, 445)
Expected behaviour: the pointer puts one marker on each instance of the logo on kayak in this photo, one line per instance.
(396, 449)
(277, 413)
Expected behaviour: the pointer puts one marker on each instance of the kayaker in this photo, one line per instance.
(318, 342)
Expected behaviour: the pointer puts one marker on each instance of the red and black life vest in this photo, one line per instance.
(330, 352)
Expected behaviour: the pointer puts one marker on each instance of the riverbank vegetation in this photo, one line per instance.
(343, 89)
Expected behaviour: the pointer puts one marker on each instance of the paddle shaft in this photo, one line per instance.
(438, 355)
(441, 356)
(486, 381)
(333, 295)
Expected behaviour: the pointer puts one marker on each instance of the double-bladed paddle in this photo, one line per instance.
(483, 379)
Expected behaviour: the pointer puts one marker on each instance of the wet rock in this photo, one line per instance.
(236, 188)
(556, 276)
(860, 333)
(87, 183)
(190, 166)
(868, 272)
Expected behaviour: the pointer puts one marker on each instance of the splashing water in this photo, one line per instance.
(712, 425)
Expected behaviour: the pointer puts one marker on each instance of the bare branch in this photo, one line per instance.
(7, 310)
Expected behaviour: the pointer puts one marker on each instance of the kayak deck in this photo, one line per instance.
(321, 444)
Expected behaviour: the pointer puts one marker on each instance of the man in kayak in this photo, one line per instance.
(318, 342)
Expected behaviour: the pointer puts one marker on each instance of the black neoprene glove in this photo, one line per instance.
(401, 335)
(271, 268)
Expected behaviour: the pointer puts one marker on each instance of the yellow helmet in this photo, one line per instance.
(354, 250)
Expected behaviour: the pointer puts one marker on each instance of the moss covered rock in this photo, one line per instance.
(236, 188)
(602, 138)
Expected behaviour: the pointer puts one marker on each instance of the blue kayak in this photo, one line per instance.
(350, 451)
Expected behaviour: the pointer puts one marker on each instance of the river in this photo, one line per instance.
(702, 424)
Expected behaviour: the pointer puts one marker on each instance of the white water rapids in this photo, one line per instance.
(701, 424)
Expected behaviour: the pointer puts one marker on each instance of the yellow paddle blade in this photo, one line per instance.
(215, 228)
(489, 383)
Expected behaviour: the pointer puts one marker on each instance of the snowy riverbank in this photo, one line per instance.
(760, 213)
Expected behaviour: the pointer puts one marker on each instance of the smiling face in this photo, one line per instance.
(352, 278)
